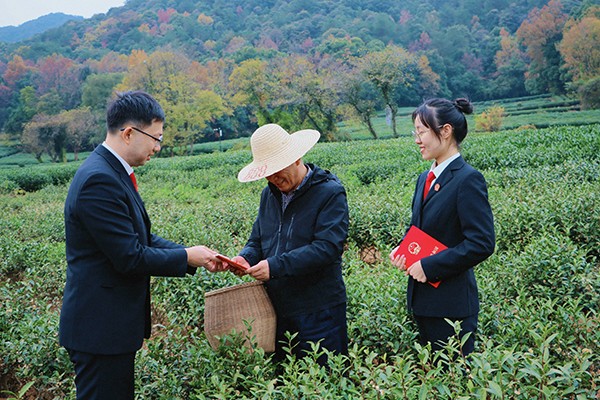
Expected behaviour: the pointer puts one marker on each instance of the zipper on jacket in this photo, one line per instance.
(279, 230)
(290, 230)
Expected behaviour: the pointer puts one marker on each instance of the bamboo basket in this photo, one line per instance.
(226, 309)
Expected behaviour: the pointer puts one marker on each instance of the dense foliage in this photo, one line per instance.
(233, 65)
(539, 333)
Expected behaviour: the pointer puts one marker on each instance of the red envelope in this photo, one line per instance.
(417, 245)
(231, 262)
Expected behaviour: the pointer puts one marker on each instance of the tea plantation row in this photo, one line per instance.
(539, 333)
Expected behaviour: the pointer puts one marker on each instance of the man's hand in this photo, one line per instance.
(260, 271)
(202, 256)
(240, 260)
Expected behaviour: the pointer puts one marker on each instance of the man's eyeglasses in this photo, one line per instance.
(158, 139)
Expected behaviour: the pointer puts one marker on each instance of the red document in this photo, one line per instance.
(231, 262)
(417, 245)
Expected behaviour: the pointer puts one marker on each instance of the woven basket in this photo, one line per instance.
(226, 309)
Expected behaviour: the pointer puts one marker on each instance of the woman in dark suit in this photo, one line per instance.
(451, 206)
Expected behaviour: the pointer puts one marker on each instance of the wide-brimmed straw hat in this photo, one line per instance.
(274, 149)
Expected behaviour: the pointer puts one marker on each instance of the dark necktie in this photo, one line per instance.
(132, 176)
(430, 178)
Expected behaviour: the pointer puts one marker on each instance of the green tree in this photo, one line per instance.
(388, 70)
(98, 89)
(362, 99)
(253, 84)
(26, 109)
(312, 94)
(80, 126)
(49, 103)
(589, 93)
(340, 45)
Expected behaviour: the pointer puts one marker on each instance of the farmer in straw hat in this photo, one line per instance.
(297, 241)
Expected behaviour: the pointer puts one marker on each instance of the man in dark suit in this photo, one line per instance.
(111, 253)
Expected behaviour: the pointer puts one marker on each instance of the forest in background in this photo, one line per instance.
(229, 66)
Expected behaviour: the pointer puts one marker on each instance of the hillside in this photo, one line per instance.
(276, 24)
(13, 34)
(303, 63)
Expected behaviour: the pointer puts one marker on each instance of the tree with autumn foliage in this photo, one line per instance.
(580, 46)
(540, 33)
(16, 77)
(581, 55)
(188, 109)
(36, 136)
(46, 134)
(511, 66)
(170, 78)
(16, 72)
(62, 76)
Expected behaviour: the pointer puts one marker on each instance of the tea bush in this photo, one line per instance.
(539, 328)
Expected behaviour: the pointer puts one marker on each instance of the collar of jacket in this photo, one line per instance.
(319, 175)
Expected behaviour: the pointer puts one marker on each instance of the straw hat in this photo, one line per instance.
(273, 149)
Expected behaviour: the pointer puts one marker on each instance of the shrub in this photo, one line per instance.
(589, 94)
(31, 179)
(490, 120)
(8, 186)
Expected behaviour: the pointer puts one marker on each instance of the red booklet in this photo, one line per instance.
(231, 262)
(417, 245)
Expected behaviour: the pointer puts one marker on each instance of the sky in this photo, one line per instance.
(15, 12)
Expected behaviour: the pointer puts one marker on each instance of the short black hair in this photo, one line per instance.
(136, 107)
(435, 113)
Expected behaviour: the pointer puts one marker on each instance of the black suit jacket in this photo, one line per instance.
(457, 213)
(111, 255)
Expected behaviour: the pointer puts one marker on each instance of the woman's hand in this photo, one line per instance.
(398, 261)
(416, 271)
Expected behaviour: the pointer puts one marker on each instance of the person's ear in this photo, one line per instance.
(446, 131)
(126, 134)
